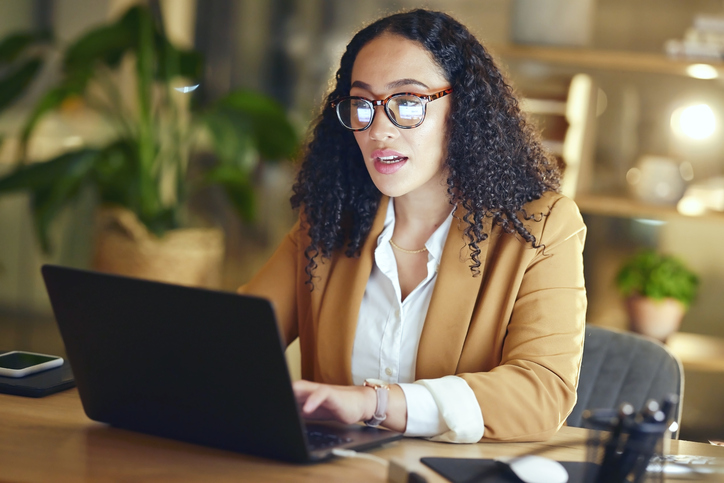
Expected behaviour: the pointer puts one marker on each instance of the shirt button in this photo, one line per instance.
(388, 371)
(397, 314)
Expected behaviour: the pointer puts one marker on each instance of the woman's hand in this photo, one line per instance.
(347, 404)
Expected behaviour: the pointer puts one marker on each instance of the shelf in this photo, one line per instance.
(698, 352)
(641, 62)
(632, 208)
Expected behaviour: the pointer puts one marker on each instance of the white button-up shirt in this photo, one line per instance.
(388, 335)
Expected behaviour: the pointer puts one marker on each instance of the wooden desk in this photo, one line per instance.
(51, 439)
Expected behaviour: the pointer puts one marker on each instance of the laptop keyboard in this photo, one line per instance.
(320, 440)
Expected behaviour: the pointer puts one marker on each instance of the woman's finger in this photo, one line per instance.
(315, 399)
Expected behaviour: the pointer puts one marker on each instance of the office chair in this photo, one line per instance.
(623, 367)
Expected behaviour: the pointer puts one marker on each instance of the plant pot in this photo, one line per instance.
(188, 256)
(654, 318)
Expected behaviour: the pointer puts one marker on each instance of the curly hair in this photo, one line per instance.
(495, 161)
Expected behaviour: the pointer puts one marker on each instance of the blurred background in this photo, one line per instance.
(628, 93)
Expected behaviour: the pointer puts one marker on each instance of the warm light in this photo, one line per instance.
(691, 206)
(697, 122)
(702, 71)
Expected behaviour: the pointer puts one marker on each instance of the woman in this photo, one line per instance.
(433, 253)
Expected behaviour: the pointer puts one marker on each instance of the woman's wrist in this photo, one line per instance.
(396, 410)
(370, 402)
(382, 397)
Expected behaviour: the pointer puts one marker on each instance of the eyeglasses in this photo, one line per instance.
(406, 110)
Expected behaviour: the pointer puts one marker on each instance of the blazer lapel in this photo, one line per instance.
(341, 304)
(451, 306)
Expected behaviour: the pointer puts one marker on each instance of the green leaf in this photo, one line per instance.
(238, 188)
(51, 100)
(241, 125)
(42, 175)
(52, 185)
(161, 221)
(657, 276)
(190, 64)
(14, 84)
(173, 62)
(106, 44)
(263, 118)
(116, 174)
(232, 143)
(13, 45)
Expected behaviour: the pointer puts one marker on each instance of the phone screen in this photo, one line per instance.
(23, 360)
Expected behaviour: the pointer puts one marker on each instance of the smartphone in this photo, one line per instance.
(21, 363)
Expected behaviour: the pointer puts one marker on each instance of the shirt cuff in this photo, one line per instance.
(423, 417)
(458, 407)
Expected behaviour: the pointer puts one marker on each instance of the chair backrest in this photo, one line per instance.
(623, 367)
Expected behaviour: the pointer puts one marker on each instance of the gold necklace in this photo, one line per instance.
(423, 249)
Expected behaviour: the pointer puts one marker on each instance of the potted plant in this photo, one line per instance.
(143, 168)
(659, 289)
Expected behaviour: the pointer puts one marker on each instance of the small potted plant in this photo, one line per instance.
(659, 289)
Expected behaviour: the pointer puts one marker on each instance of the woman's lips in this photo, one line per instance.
(387, 161)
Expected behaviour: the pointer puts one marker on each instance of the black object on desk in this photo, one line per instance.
(197, 365)
(39, 384)
(629, 446)
(468, 470)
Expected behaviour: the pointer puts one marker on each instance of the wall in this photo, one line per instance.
(15, 16)
(644, 25)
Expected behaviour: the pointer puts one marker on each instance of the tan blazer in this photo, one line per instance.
(514, 333)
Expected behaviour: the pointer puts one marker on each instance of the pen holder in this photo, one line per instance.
(623, 450)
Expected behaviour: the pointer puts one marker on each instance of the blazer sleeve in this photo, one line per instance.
(278, 281)
(530, 393)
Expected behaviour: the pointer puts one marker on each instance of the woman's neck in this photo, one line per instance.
(417, 217)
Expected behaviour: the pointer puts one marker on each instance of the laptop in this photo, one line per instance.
(191, 364)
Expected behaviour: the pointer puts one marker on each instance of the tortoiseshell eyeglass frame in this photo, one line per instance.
(383, 102)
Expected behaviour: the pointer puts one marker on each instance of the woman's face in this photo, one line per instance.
(402, 161)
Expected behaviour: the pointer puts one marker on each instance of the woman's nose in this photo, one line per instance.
(382, 127)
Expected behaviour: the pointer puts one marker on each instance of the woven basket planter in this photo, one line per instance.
(188, 256)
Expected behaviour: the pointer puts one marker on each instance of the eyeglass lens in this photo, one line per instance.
(404, 111)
